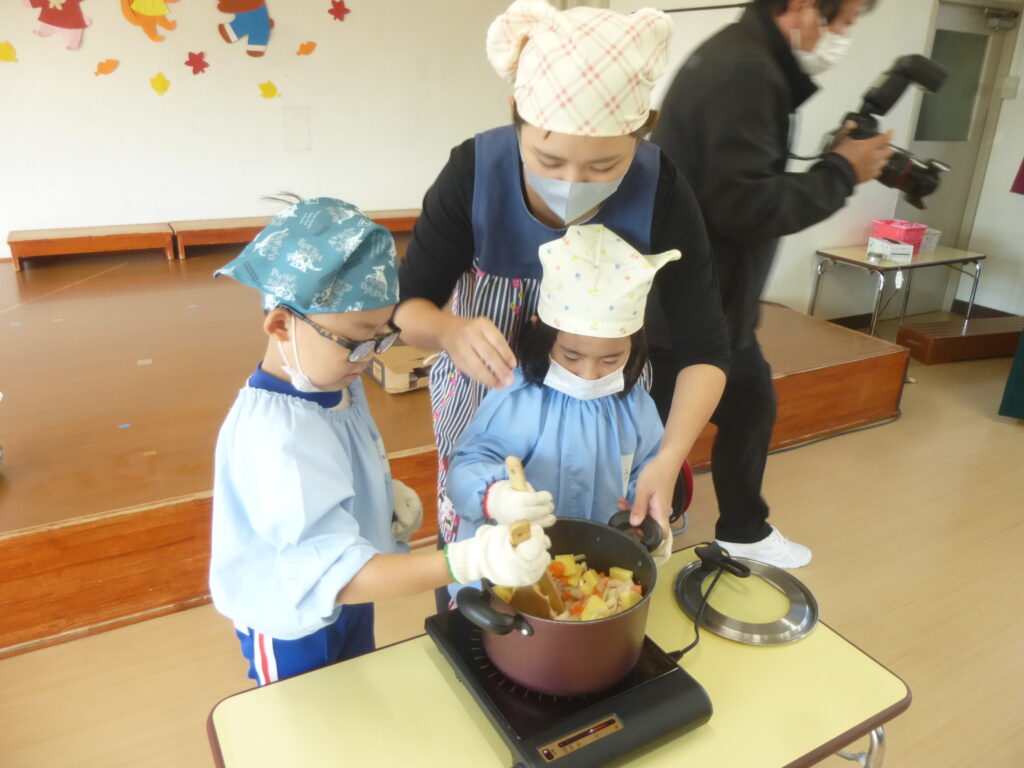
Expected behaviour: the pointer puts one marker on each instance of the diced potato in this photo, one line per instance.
(588, 582)
(569, 561)
(505, 593)
(573, 580)
(620, 574)
(629, 599)
(594, 609)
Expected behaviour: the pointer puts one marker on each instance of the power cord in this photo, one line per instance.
(713, 559)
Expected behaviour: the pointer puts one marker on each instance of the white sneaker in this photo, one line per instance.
(774, 549)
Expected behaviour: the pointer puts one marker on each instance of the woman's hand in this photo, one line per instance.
(654, 489)
(479, 350)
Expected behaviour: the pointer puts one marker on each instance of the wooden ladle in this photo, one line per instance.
(543, 598)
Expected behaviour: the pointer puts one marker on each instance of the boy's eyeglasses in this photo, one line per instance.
(358, 350)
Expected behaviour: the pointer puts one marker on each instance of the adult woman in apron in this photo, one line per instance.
(574, 154)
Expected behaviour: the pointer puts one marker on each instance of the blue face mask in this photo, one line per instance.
(569, 200)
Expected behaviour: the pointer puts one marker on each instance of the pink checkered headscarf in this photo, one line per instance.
(584, 71)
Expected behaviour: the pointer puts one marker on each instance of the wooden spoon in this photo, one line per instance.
(519, 531)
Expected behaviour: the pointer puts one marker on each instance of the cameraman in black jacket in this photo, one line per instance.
(726, 123)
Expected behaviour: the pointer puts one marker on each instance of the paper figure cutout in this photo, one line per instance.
(268, 90)
(160, 83)
(198, 62)
(306, 48)
(338, 10)
(64, 16)
(106, 66)
(148, 15)
(252, 20)
(7, 52)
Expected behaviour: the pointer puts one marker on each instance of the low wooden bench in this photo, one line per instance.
(226, 231)
(36, 243)
(950, 340)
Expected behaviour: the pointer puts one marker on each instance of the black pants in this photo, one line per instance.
(745, 417)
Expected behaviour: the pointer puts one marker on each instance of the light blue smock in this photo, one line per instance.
(301, 501)
(587, 453)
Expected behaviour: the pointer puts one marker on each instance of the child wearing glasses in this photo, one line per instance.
(309, 529)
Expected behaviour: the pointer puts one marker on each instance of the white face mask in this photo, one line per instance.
(298, 377)
(568, 383)
(569, 200)
(828, 51)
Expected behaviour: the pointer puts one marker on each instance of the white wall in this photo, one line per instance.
(999, 226)
(388, 92)
(894, 28)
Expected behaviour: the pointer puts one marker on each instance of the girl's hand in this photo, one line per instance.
(505, 505)
(479, 350)
(654, 490)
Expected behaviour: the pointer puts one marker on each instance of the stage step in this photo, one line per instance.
(951, 340)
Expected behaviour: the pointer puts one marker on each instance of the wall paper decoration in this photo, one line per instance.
(338, 10)
(198, 62)
(305, 49)
(61, 16)
(160, 83)
(7, 52)
(106, 66)
(251, 21)
(268, 90)
(148, 15)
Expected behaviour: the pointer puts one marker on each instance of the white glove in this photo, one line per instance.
(663, 551)
(490, 555)
(505, 506)
(407, 515)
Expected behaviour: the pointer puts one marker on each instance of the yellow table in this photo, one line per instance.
(785, 705)
(858, 257)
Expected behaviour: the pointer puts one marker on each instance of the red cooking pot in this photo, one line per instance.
(571, 658)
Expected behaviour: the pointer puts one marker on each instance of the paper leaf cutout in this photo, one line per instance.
(268, 90)
(338, 9)
(7, 52)
(106, 66)
(198, 62)
(160, 84)
(306, 48)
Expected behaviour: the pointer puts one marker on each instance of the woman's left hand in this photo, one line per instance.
(654, 489)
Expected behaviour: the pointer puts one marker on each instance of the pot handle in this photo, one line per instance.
(648, 533)
(476, 606)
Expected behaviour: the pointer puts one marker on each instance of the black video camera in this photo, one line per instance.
(914, 177)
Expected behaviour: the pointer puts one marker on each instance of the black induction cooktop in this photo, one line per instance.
(655, 699)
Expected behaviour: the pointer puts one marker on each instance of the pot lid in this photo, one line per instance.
(798, 621)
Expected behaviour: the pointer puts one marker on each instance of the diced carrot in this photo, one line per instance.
(557, 569)
(577, 609)
(638, 589)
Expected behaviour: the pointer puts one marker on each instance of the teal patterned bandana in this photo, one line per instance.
(320, 256)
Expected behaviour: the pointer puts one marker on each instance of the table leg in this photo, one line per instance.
(875, 753)
(822, 268)
(906, 295)
(974, 290)
(880, 276)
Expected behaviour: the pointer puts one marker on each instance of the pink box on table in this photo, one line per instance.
(897, 229)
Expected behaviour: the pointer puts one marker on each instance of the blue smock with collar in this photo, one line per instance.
(301, 501)
(587, 453)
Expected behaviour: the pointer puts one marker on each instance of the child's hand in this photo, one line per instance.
(407, 513)
(505, 505)
(490, 555)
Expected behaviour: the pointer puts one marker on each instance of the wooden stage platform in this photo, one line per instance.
(117, 372)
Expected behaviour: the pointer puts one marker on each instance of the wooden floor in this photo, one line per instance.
(917, 530)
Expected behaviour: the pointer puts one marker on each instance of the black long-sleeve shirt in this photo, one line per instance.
(683, 313)
(725, 122)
